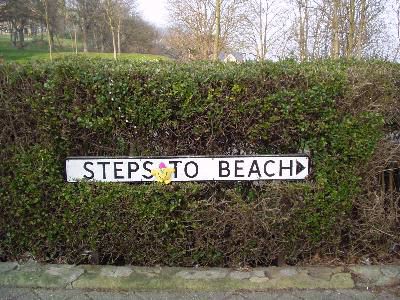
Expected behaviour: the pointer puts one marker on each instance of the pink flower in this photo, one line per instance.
(162, 166)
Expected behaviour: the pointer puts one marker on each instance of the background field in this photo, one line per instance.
(38, 49)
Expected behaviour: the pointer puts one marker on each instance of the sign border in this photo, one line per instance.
(187, 156)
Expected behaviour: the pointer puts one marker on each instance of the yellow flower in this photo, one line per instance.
(163, 174)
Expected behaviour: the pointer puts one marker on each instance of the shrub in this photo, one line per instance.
(85, 107)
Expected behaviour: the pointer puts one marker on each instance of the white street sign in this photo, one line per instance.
(196, 168)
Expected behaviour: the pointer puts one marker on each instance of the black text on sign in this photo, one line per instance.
(197, 168)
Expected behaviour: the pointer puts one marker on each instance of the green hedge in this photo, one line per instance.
(82, 107)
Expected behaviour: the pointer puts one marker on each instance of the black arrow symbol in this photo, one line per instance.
(299, 167)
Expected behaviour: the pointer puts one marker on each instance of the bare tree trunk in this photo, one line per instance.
(102, 42)
(316, 51)
(95, 42)
(49, 38)
(119, 37)
(352, 28)
(75, 41)
(20, 37)
(85, 37)
(398, 19)
(13, 34)
(111, 10)
(303, 31)
(85, 41)
(306, 21)
(72, 41)
(217, 29)
(64, 14)
(261, 54)
(15, 37)
(102, 46)
(363, 27)
(114, 42)
(335, 29)
(51, 34)
(397, 10)
(41, 31)
(265, 30)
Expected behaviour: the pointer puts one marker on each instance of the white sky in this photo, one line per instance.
(154, 11)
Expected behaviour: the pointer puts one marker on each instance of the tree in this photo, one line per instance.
(18, 13)
(72, 22)
(87, 11)
(100, 25)
(217, 28)
(116, 11)
(337, 28)
(195, 26)
(396, 11)
(139, 36)
(47, 19)
(111, 12)
(298, 37)
(266, 27)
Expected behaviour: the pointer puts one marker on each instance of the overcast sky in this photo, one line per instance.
(154, 11)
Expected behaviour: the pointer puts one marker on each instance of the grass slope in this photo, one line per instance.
(38, 49)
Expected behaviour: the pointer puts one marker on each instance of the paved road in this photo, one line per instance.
(8, 293)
